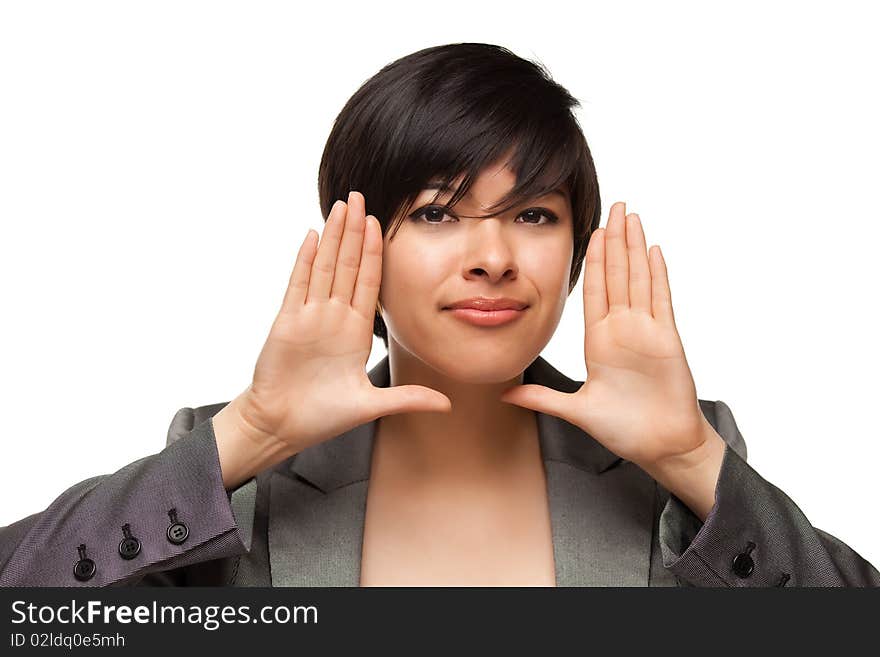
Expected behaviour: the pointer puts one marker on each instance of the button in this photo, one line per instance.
(177, 531)
(85, 568)
(129, 547)
(743, 564)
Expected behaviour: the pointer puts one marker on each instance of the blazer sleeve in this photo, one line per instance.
(754, 535)
(88, 518)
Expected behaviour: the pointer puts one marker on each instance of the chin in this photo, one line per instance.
(476, 364)
(467, 356)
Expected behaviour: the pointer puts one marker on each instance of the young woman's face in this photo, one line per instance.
(439, 256)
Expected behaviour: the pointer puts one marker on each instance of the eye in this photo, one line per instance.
(433, 214)
(430, 213)
(533, 213)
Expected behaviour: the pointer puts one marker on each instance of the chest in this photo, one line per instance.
(459, 534)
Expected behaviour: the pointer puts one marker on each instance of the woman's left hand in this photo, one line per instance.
(639, 399)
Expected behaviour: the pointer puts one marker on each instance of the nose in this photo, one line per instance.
(488, 253)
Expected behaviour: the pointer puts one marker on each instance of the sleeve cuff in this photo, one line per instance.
(185, 477)
(753, 536)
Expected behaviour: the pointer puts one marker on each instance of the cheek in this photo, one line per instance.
(412, 270)
(549, 268)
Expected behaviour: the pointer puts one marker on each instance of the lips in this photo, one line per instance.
(485, 311)
(489, 303)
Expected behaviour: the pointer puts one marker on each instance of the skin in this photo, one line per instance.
(456, 392)
(639, 398)
(464, 254)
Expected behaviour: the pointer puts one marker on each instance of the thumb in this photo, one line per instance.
(539, 398)
(408, 399)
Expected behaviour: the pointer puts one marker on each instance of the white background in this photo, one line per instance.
(158, 171)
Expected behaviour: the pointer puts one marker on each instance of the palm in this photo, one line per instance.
(329, 341)
(639, 398)
(637, 375)
(310, 383)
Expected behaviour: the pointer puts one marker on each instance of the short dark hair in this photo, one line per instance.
(452, 110)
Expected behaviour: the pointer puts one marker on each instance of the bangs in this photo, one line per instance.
(542, 155)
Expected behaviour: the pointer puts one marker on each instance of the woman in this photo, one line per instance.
(463, 457)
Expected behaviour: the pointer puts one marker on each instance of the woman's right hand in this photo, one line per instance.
(310, 382)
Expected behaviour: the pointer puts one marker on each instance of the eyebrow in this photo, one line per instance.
(442, 187)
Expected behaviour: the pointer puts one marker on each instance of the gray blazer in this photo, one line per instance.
(300, 523)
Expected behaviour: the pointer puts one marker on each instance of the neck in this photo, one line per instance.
(481, 436)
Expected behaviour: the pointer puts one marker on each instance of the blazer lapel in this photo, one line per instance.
(317, 507)
(601, 507)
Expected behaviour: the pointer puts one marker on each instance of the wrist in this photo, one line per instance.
(244, 451)
(693, 477)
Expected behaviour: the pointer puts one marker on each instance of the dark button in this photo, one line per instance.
(177, 531)
(743, 564)
(129, 547)
(85, 568)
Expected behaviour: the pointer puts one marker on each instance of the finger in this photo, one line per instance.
(349, 259)
(369, 277)
(407, 399)
(616, 264)
(540, 398)
(298, 285)
(324, 265)
(595, 294)
(639, 271)
(661, 296)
